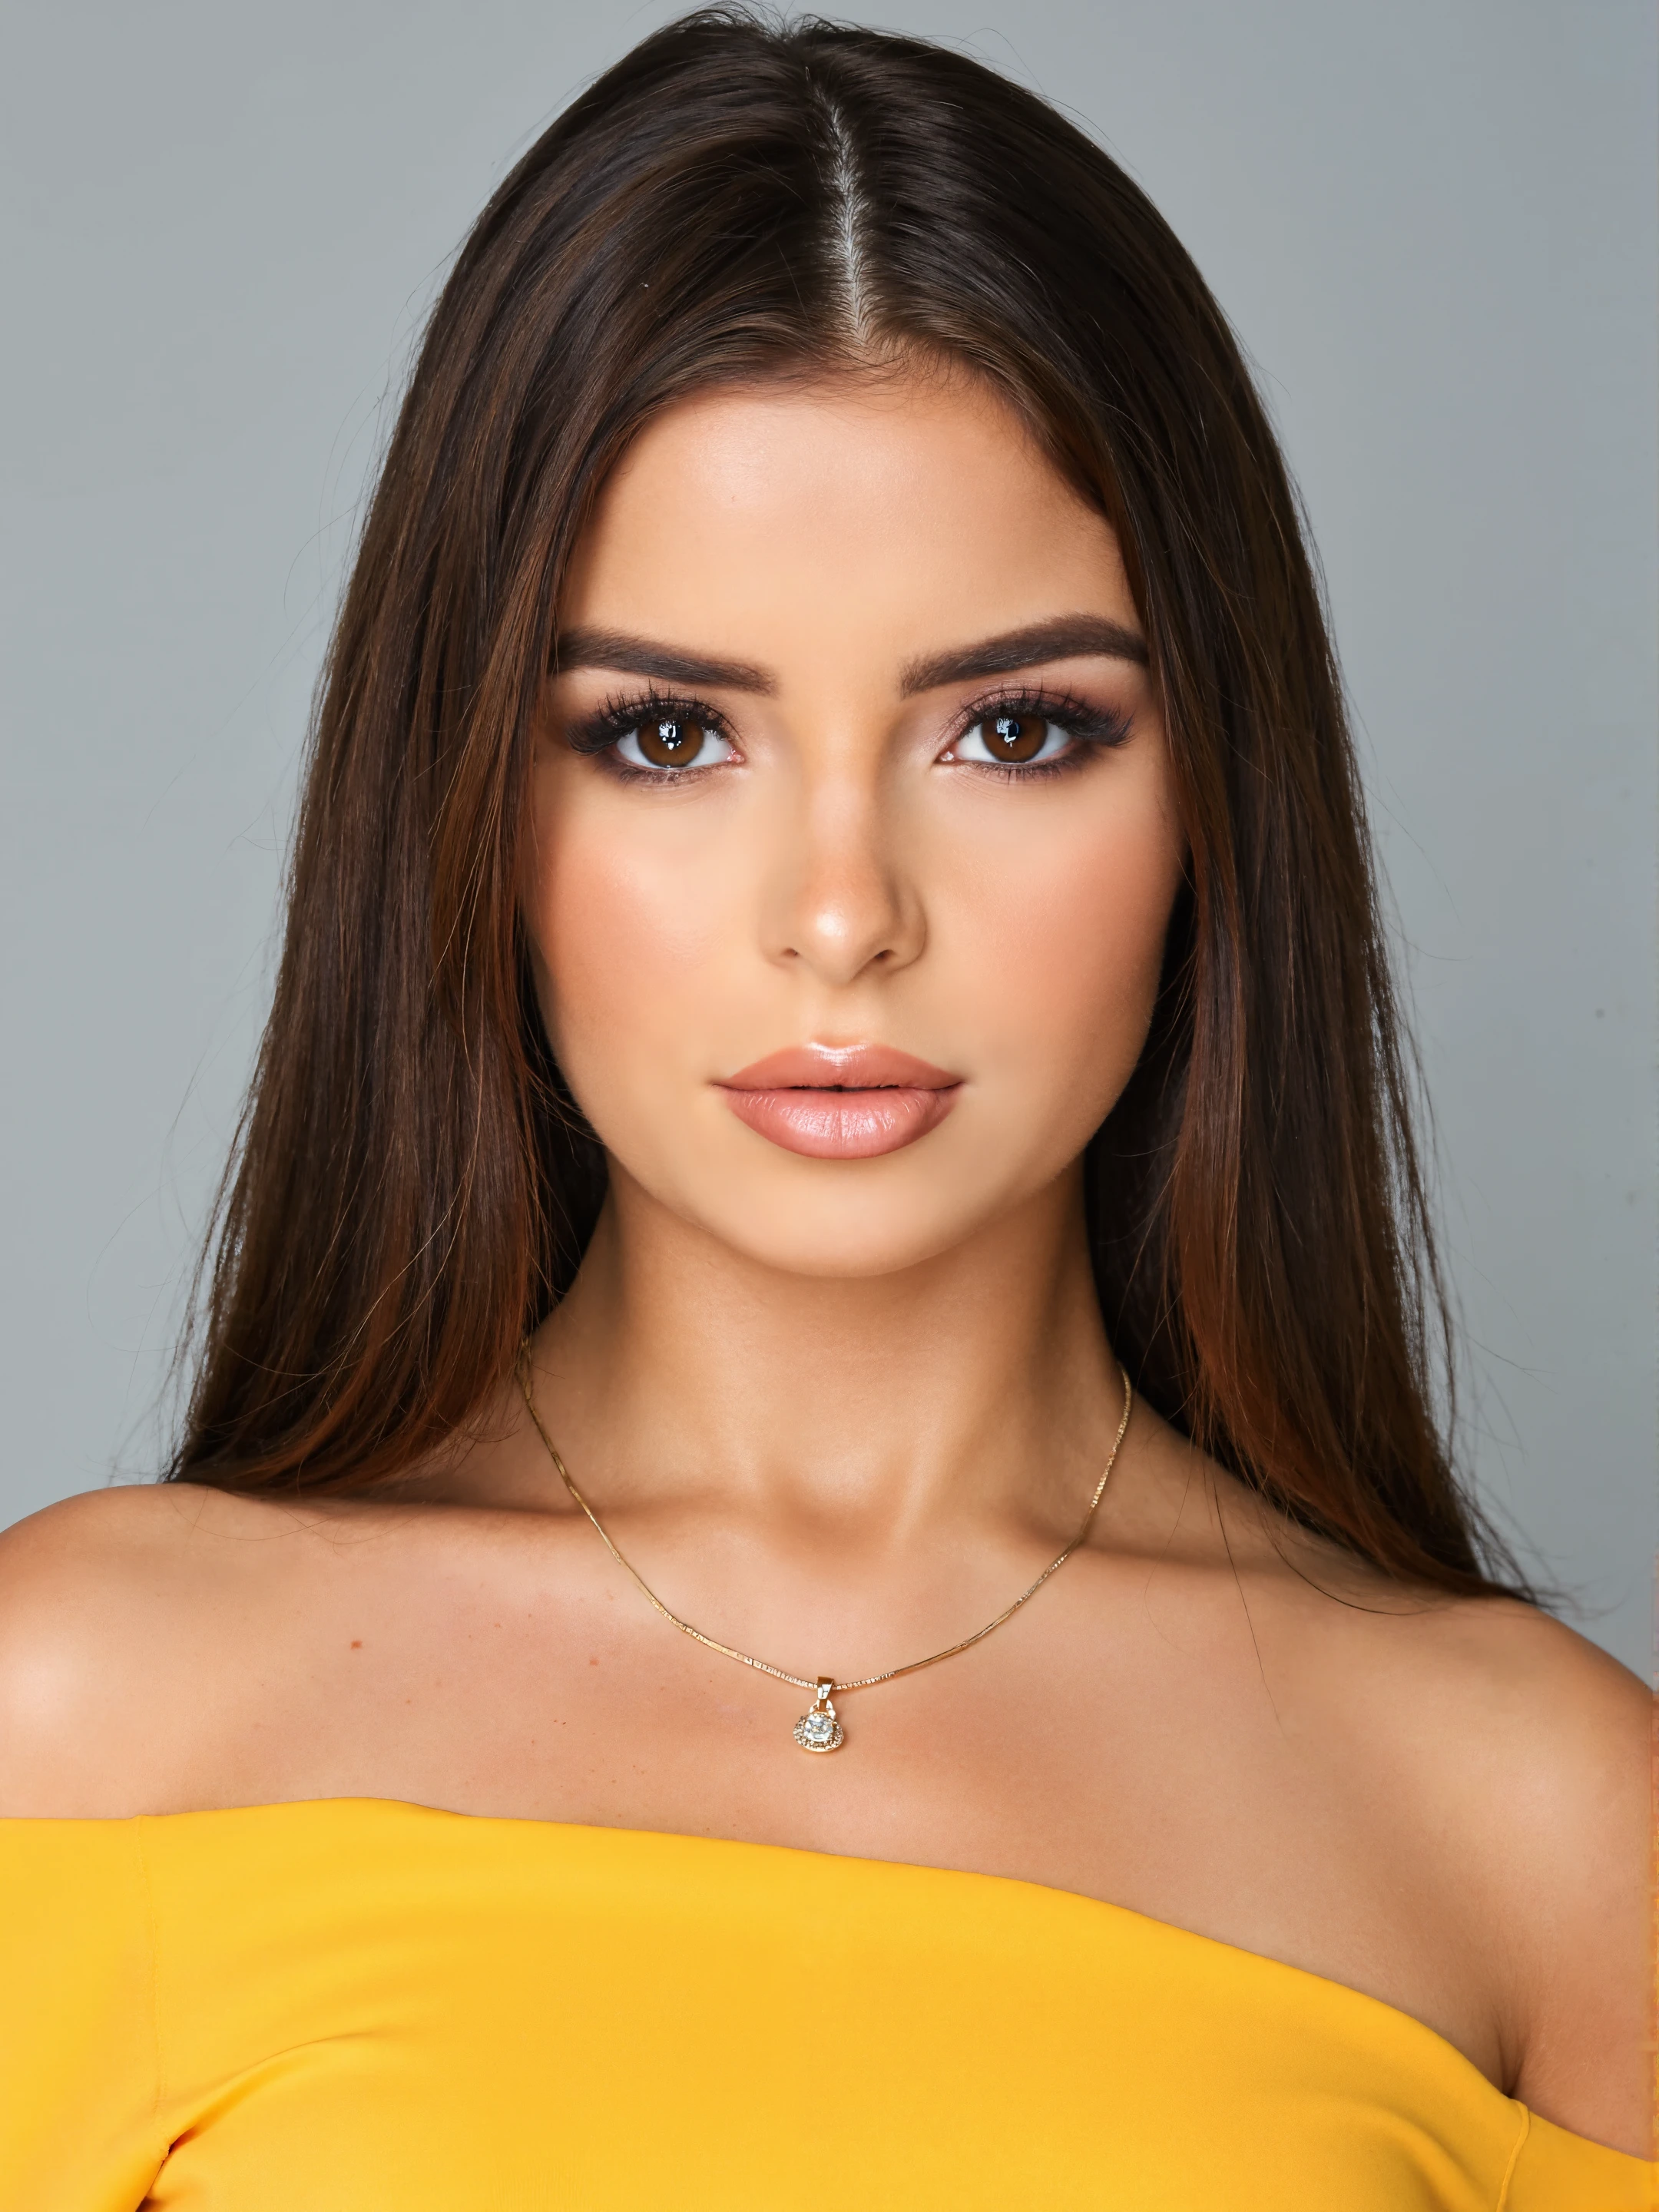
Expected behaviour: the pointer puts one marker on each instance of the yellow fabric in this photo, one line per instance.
(359, 2006)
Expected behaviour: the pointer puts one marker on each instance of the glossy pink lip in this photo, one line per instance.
(842, 1101)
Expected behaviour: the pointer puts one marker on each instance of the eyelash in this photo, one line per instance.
(611, 723)
(1094, 729)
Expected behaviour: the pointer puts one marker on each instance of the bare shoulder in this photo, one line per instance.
(80, 1577)
(1484, 1773)
(1485, 1703)
(117, 1617)
(1510, 1763)
(1513, 1710)
(117, 1527)
(1532, 1738)
(1497, 1664)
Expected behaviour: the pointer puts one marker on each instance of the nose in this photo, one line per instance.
(839, 902)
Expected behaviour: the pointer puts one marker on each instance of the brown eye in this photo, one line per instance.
(1010, 738)
(669, 737)
(1014, 737)
(670, 741)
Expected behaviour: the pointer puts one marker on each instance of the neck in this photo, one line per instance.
(977, 1384)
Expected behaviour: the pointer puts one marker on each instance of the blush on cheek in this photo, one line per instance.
(1076, 955)
(627, 943)
(1112, 870)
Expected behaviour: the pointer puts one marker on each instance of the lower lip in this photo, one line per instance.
(843, 1125)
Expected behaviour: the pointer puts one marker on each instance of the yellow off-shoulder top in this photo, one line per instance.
(355, 2005)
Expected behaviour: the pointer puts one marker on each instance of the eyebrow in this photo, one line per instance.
(1066, 637)
(645, 656)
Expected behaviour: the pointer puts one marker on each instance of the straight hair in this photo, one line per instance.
(413, 1185)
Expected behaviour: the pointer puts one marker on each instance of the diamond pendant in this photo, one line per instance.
(819, 1730)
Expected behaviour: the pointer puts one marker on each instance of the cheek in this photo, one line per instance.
(1068, 942)
(622, 926)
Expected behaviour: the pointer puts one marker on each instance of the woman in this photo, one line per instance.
(811, 1563)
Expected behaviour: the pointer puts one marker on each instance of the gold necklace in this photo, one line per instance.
(820, 1730)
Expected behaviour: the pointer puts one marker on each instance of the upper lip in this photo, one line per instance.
(839, 1067)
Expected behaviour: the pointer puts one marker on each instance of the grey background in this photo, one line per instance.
(1433, 224)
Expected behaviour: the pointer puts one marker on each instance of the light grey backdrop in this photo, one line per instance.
(1433, 224)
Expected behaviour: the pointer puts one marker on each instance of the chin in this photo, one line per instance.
(854, 1220)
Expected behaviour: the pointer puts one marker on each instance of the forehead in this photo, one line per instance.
(859, 521)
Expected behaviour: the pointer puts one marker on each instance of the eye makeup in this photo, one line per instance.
(598, 735)
(1091, 729)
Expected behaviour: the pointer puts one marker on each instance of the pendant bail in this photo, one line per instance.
(820, 1730)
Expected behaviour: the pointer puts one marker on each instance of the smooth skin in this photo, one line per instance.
(840, 1411)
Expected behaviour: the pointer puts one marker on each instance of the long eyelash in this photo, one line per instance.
(1095, 728)
(620, 713)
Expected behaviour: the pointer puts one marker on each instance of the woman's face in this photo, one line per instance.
(853, 844)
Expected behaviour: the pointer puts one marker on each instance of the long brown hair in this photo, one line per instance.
(413, 1186)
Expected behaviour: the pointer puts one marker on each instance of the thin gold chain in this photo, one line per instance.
(781, 1674)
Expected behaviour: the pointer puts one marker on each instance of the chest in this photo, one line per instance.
(1123, 1748)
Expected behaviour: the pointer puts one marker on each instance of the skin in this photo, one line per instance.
(839, 1412)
